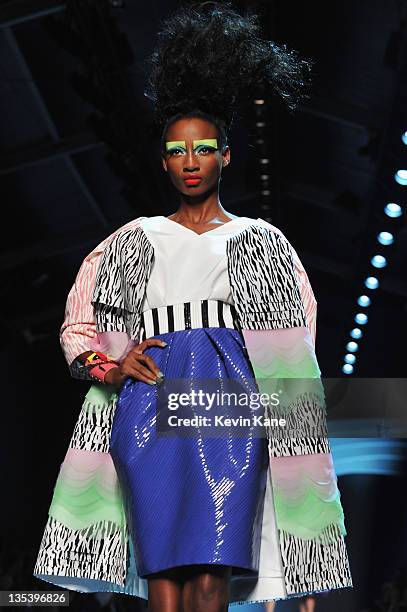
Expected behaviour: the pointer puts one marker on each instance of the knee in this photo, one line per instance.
(210, 593)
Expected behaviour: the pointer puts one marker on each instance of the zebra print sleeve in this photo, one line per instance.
(281, 349)
(264, 281)
(108, 295)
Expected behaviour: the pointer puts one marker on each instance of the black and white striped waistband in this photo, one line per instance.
(188, 315)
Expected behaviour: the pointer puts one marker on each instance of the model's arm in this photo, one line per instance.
(308, 299)
(306, 496)
(78, 334)
(285, 350)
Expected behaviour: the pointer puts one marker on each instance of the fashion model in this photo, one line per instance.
(196, 522)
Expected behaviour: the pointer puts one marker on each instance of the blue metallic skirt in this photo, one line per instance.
(196, 500)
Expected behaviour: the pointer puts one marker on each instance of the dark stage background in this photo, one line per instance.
(78, 159)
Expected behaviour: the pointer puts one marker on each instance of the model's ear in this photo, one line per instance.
(164, 163)
(226, 156)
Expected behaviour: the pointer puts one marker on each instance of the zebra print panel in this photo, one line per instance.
(287, 447)
(263, 280)
(110, 317)
(305, 431)
(311, 565)
(93, 427)
(121, 282)
(99, 551)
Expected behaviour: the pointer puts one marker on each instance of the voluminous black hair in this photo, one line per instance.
(210, 60)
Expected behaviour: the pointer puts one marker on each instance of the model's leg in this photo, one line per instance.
(206, 588)
(165, 591)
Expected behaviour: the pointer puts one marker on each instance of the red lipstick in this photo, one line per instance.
(193, 179)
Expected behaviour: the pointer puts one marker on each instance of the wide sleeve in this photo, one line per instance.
(79, 333)
(281, 348)
(282, 352)
(278, 309)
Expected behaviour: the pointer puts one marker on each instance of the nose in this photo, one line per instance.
(191, 162)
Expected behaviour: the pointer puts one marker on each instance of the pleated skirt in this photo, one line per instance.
(196, 499)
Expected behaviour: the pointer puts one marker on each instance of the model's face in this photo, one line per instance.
(192, 149)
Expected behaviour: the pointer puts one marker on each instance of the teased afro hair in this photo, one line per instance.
(210, 60)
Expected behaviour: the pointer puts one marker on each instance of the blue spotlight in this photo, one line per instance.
(404, 138)
(352, 347)
(361, 318)
(347, 368)
(378, 261)
(364, 300)
(371, 282)
(385, 238)
(393, 210)
(401, 177)
(360, 455)
(356, 333)
(349, 358)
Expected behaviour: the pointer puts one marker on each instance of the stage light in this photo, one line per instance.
(356, 333)
(364, 300)
(259, 101)
(401, 177)
(393, 210)
(349, 358)
(371, 282)
(264, 160)
(347, 368)
(385, 238)
(404, 138)
(352, 347)
(378, 261)
(361, 318)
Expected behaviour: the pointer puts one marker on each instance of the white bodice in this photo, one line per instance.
(188, 266)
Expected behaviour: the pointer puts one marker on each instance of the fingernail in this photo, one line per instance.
(160, 374)
(163, 343)
(152, 382)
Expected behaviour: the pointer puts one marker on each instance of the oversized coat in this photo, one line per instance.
(86, 545)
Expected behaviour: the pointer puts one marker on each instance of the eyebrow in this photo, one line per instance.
(175, 143)
(212, 142)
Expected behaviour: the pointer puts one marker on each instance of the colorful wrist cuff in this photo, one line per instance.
(93, 367)
(99, 372)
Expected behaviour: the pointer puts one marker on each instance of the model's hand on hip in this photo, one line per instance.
(137, 365)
